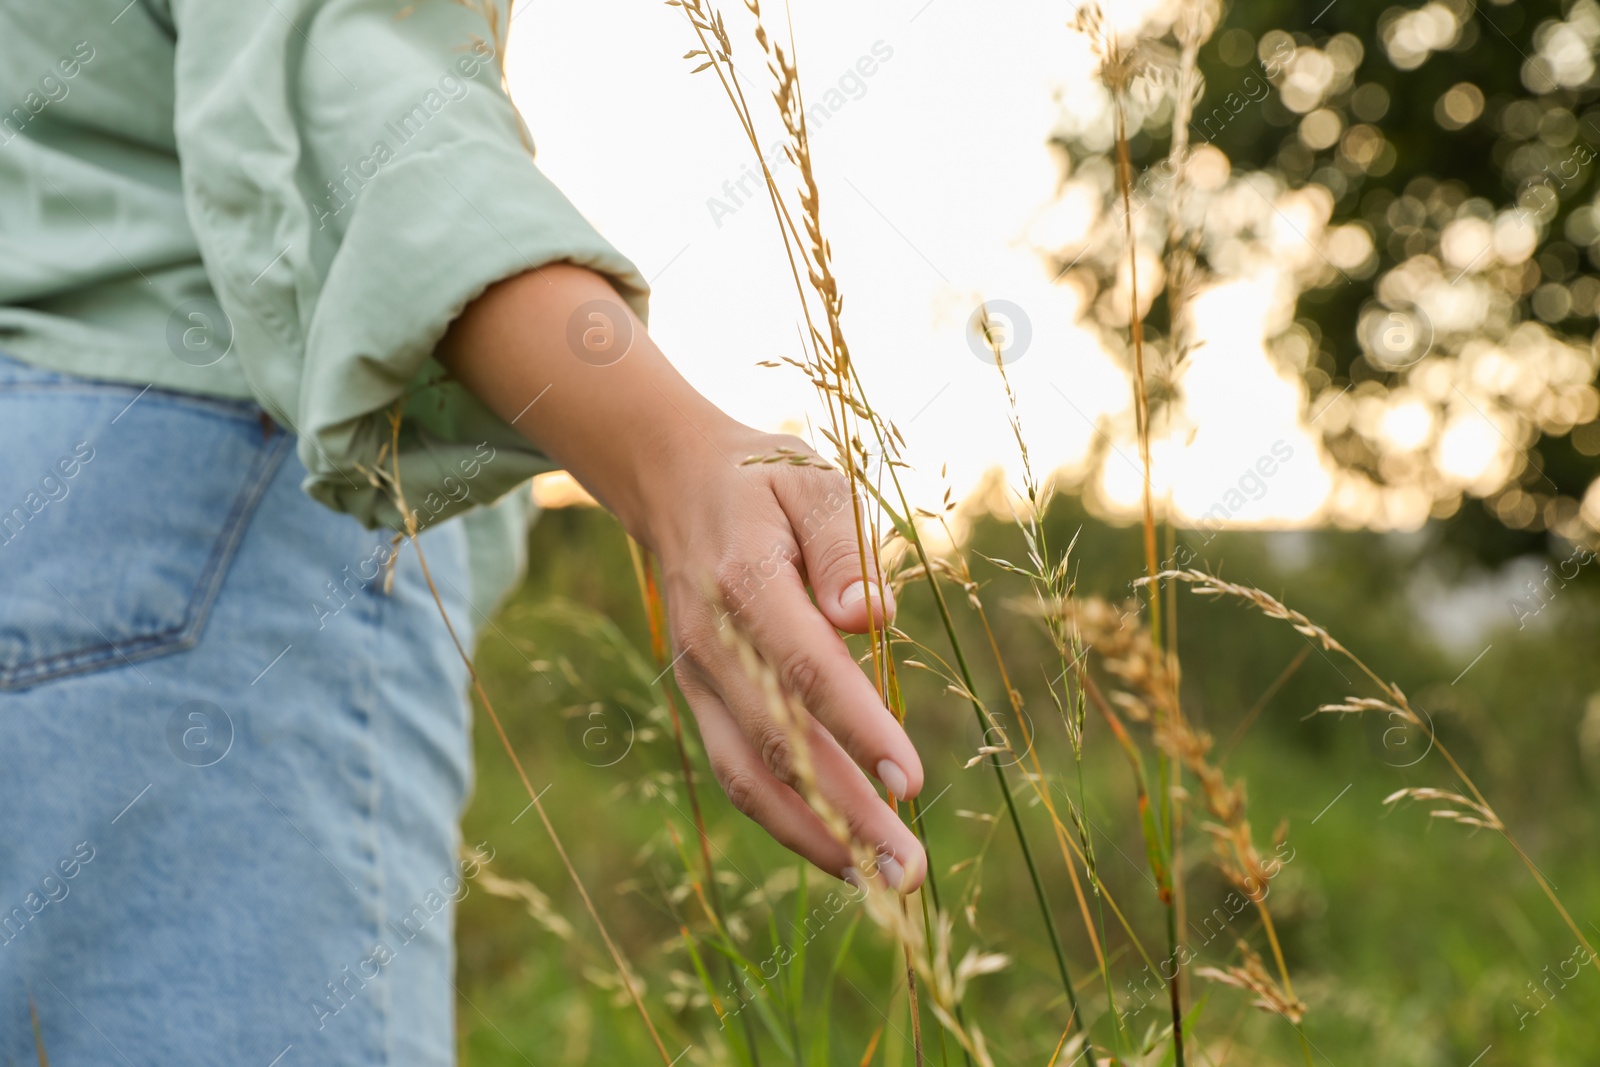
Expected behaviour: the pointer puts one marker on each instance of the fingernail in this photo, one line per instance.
(891, 870)
(854, 876)
(856, 592)
(890, 774)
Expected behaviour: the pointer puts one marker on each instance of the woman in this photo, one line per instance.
(234, 238)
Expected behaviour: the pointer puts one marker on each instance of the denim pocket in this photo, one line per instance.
(120, 511)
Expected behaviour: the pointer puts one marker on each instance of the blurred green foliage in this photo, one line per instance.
(1413, 941)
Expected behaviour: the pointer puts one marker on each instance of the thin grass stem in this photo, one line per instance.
(623, 972)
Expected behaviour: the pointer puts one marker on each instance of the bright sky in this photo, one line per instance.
(938, 191)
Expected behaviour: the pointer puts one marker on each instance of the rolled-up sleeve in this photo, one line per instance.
(356, 175)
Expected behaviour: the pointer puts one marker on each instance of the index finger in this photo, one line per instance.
(814, 666)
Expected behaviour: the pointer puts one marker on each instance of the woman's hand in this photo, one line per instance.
(739, 544)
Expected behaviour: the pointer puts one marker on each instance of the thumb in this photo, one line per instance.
(846, 583)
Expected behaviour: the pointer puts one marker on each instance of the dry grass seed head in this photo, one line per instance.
(1252, 977)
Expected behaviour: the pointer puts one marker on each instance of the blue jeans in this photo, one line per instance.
(232, 763)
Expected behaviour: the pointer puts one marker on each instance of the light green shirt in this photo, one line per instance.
(285, 201)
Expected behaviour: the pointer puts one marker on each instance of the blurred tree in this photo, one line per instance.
(1420, 181)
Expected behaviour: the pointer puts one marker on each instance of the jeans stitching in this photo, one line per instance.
(379, 607)
(263, 468)
(197, 610)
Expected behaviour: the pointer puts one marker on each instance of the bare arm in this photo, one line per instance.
(667, 462)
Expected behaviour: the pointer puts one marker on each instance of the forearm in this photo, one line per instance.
(543, 350)
(734, 541)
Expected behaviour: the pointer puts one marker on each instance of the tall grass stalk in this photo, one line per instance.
(828, 366)
(829, 362)
(389, 480)
(945, 982)
(1118, 68)
(38, 1034)
(929, 568)
(1051, 581)
(1196, 19)
(1131, 656)
(1474, 811)
(644, 572)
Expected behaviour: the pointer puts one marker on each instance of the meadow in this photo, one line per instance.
(1411, 941)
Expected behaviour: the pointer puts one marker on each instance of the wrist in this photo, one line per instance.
(628, 426)
(695, 448)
